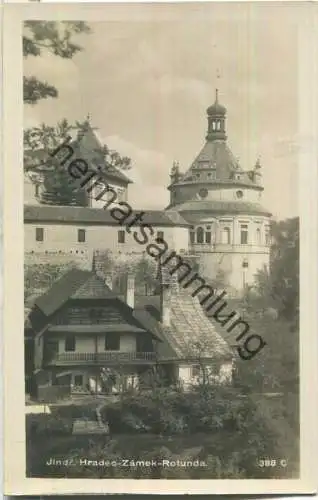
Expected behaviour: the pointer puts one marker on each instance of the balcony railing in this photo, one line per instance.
(101, 357)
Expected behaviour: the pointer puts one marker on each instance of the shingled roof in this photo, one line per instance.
(190, 333)
(85, 215)
(86, 146)
(222, 207)
(216, 156)
(74, 284)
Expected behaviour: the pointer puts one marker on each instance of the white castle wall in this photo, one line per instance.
(61, 237)
(216, 193)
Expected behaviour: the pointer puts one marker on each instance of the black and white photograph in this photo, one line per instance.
(161, 254)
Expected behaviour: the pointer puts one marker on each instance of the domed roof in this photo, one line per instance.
(216, 108)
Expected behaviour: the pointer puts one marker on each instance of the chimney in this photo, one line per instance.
(130, 291)
(165, 295)
(109, 280)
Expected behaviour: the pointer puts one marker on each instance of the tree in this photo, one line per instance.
(54, 37)
(278, 286)
(39, 142)
(38, 278)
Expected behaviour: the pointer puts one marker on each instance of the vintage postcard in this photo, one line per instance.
(160, 245)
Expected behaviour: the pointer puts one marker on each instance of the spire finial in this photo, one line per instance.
(218, 76)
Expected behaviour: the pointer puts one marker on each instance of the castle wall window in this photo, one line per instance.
(267, 236)
(200, 235)
(81, 235)
(244, 234)
(39, 234)
(112, 342)
(121, 236)
(208, 235)
(226, 236)
(160, 236)
(70, 343)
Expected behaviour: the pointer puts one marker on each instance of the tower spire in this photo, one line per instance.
(216, 120)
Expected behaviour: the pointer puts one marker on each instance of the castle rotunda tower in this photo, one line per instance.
(230, 228)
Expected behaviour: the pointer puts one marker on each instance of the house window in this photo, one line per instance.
(39, 234)
(160, 236)
(226, 236)
(192, 236)
(70, 343)
(96, 316)
(37, 190)
(78, 380)
(245, 263)
(112, 342)
(258, 236)
(244, 234)
(195, 371)
(121, 236)
(81, 235)
(200, 235)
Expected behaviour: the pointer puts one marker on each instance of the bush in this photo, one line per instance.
(39, 424)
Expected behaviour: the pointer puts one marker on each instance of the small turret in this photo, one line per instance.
(257, 171)
(175, 172)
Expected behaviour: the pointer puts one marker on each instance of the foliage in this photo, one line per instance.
(278, 287)
(218, 426)
(272, 311)
(46, 424)
(38, 278)
(56, 38)
(59, 188)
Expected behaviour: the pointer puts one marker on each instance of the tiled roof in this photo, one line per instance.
(191, 334)
(216, 156)
(228, 207)
(85, 215)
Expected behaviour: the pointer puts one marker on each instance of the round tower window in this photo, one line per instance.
(203, 193)
(239, 194)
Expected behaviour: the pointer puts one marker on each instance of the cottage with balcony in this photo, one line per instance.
(78, 328)
(81, 337)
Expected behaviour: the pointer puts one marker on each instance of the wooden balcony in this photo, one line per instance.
(101, 358)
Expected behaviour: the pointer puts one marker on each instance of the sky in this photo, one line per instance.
(147, 83)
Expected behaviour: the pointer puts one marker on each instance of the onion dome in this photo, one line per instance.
(216, 109)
